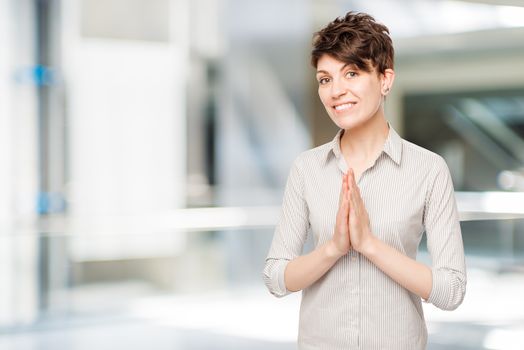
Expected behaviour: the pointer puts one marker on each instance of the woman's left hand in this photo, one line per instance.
(359, 231)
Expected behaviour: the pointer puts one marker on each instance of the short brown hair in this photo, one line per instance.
(356, 39)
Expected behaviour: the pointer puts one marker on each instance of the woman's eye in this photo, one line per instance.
(323, 81)
(351, 74)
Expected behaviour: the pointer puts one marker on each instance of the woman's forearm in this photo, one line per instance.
(411, 274)
(305, 270)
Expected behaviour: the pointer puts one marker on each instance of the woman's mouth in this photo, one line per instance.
(344, 106)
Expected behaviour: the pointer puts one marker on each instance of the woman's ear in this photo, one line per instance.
(387, 81)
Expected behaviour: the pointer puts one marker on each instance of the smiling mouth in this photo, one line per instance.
(344, 106)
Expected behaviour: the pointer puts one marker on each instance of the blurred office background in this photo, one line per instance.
(144, 146)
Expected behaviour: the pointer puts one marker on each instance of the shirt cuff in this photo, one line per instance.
(439, 295)
(280, 287)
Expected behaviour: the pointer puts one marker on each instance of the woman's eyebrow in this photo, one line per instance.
(350, 65)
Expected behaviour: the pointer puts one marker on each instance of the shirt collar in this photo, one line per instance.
(392, 146)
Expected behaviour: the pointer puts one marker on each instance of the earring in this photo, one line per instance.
(386, 91)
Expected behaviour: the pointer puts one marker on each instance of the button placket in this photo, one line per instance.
(355, 296)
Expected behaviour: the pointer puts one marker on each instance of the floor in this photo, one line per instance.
(491, 317)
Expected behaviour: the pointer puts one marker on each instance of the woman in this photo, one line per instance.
(366, 197)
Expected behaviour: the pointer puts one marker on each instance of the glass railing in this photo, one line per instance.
(191, 279)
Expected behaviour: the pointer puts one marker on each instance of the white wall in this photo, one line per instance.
(18, 175)
(126, 124)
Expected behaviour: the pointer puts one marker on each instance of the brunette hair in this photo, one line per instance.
(356, 39)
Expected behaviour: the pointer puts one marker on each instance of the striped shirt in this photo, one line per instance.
(408, 190)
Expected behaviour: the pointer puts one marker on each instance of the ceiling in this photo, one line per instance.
(415, 18)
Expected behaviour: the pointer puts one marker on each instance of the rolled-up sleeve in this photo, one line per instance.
(290, 233)
(444, 237)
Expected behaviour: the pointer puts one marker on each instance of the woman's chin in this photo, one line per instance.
(347, 123)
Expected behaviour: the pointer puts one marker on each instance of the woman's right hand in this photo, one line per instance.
(340, 242)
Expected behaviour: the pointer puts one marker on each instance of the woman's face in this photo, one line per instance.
(351, 96)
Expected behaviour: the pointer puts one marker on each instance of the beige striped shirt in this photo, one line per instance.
(407, 191)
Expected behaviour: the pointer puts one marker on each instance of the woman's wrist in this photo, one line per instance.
(369, 246)
(331, 250)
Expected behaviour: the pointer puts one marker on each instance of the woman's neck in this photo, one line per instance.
(362, 144)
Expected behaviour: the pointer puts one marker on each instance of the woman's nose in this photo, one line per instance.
(337, 88)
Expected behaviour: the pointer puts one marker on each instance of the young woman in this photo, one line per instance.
(366, 197)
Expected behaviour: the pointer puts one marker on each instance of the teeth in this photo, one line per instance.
(344, 106)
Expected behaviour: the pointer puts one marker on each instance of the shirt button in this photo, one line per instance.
(353, 258)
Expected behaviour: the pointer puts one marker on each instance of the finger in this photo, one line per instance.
(351, 175)
(354, 205)
(343, 204)
(354, 189)
(346, 186)
(354, 199)
(348, 203)
(351, 183)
